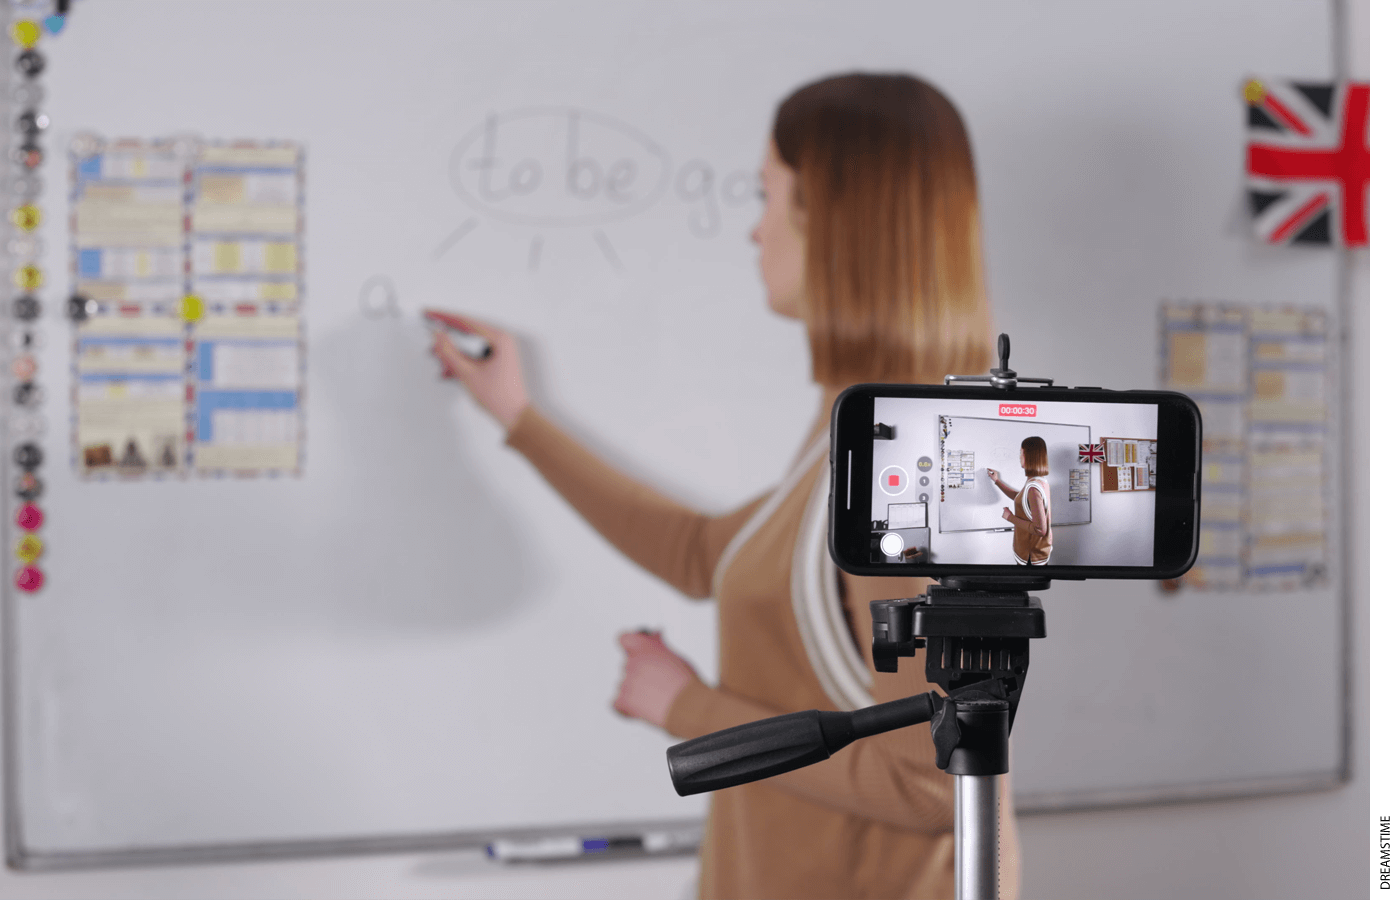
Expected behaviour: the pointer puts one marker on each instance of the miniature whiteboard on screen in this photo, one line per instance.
(938, 452)
(997, 442)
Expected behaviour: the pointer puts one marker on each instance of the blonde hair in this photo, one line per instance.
(893, 285)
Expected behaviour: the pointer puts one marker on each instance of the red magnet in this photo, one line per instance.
(29, 517)
(29, 578)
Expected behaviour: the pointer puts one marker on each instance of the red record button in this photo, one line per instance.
(29, 517)
(29, 578)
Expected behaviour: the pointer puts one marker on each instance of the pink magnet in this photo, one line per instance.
(29, 579)
(29, 517)
(24, 367)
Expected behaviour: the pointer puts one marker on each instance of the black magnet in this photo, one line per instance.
(80, 307)
(27, 393)
(30, 63)
(26, 308)
(32, 122)
(29, 456)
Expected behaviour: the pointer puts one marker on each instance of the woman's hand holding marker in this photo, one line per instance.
(495, 380)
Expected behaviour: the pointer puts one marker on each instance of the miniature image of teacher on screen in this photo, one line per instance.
(987, 482)
(839, 170)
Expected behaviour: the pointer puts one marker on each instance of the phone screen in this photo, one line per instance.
(1053, 480)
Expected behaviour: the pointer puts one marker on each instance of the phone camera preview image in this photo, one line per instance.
(970, 482)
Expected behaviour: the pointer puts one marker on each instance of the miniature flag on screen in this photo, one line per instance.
(1309, 161)
(1091, 453)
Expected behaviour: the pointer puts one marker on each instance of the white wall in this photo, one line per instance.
(1304, 846)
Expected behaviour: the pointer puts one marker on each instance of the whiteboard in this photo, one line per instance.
(996, 443)
(413, 642)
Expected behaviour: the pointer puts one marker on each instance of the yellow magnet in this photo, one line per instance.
(28, 278)
(27, 217)
(1255, 91)
(25, 33)
(192, 308)
(29, 548)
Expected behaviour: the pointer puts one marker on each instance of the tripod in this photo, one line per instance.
(976, 641)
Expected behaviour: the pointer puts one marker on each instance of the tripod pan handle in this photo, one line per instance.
(769, 747)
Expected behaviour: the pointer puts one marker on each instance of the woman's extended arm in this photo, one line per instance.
(677, 544)
(674, 543)
(1001, 485)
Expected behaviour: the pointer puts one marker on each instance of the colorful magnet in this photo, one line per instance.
(30, 63)
(28, 155)
(29, 579)
(26, 308)
(29, 548)
(1254, 91)
(30, 517)
(27, 217)
(29, 486)
(54, 24)
(192, 308)
(29, 278)
(25, 32)
(29, 456)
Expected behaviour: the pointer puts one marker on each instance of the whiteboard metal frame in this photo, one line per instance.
(371, 845)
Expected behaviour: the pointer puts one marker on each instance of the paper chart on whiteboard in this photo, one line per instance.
(1260, 377)
(188, 349)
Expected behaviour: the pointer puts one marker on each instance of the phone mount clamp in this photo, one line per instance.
(1003, 376)
(975, 634)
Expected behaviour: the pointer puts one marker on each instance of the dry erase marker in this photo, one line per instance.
(569, 847)
(471, 344)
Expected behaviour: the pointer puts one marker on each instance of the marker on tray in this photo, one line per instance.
(546, 849)
(471, 344)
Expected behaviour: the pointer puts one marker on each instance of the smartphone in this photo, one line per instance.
(1047, 482)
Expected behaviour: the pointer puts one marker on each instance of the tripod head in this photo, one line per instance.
(976, 644)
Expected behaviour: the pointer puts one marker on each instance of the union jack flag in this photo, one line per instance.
(1091, 453)
(1309, 161)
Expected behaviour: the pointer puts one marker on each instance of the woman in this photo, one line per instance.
(1032, 538)
(870, 238)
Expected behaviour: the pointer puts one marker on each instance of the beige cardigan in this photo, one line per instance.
(875, 820)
